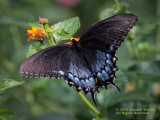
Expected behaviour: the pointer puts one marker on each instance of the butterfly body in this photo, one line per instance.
(87, 64)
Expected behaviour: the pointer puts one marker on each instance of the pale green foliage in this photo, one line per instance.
(70, 26)
(115, 9)
(34, 49)
(6, 114)
(106, 13)
(36, 25)
(9, 83)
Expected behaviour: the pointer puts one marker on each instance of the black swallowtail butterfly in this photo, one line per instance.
(87, 64)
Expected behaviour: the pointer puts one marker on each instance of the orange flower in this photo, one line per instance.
(77, 39)
(36, 34)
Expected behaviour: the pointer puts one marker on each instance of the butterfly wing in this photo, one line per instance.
(109, 33)
(102, 65)
(60, 61)
(99, 45)
(45, 62)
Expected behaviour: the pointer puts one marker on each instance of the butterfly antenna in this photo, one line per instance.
(93, 98)
(112, 83)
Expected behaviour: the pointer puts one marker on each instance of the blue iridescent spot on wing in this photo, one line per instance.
(70, 76)
(61, 72)
(97, 67)
(76, 80)
(112, 47)
(109, 56)
(108, 69)
(109, 63)
(83, 84)
(92, 81)
(88, 84)
(105, 75)
(99, 76)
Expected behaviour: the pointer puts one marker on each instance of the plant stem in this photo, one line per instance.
(49, 41)
(134, 50)
(116, 2)
(52, 40)
(89, 104)
(158, 30)
(47, 36)
(136, 56)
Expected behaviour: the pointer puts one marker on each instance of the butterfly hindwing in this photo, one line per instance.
(60, 61)
(102, 65)
(111, 31)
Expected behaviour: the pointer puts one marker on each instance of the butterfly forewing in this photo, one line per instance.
(43, 63)
(60, 61)
(107, 32)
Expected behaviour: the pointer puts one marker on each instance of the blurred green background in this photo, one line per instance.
(52, 99)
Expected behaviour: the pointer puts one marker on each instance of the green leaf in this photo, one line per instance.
(9, 83)
(106, 13)
(67, 28)
(6, 114)
(147, 67)
(158, 25)
(3, 96)
(63, 32)
(147, 72)
(121, 77)
(34, 49)
(47, 28)
(37, 25)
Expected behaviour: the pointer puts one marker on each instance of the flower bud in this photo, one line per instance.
(43, 20)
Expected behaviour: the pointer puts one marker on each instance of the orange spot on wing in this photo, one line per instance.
(77, 39)
(96, 79)
(69, 43)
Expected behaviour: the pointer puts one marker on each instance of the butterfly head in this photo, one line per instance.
(73, 41)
